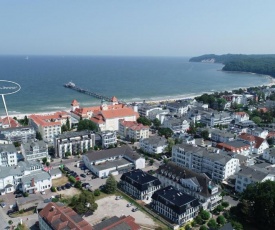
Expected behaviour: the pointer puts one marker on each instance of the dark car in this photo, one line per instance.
(68, 185)
(86, 185)
(93, 177)
(83, 175)
(9, 212)
(63, 187)
(58, 188)
(18, 195)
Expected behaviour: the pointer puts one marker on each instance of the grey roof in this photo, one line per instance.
(9, 171)
(37, 176)
(26, 165)
(254, 173)
(74, 134)
(178, 105)
(55, 171)
(124, 150)
(41, 144)
(237, 143)
(176, 173)
(106, 223)
(22, 128)
(7, 148)
(155, 140)
(221, 133)
(111, 164)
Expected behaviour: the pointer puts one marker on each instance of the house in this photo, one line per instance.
(8, 155)
(213, 118)
(117, 223)
(248, 175)
(139, 184)
(19, 134)
(198, 185)
(217, 166)
(221, 135)
(8, 122)
(49, 126)
(257, 144)
(237, 146)
(269, 155)
(175, 205)
(153, 144)
(148, 110)
(242, 127)
(115, 161)
(177, 125)
(36, 182)
(56, 216)
(26, 203)
(240, 116)
(132, 130)
(55, 173)
(35, 150)
(178, 107)
(73, 143)
(258, 131)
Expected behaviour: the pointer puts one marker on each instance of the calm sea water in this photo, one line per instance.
(128, 78)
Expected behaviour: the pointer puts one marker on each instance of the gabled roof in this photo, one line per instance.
(256, 174)
(62, 217)
(133, 125)
(74, 103)
(13, 123)
(258, 140)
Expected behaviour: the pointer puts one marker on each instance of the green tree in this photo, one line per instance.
(171, 143)
(225, 204)
(67, 154)
(212, 224)
(86, 125)
(84, 203)
(10, 222)
(78, 184)
(192, 129)
(47, 163)
(187, 227)
(205, 215)
(156, 123)
(221, 220)
(64, 128)
(199, 220)
(256, 198)
(205, 134)
(236, 225)
(111, 185)
(151, 161)
(38, 136)
(26, 120)
(68, 124)
(167, 132)
(53, 189)
(44, 160)
(257, 120)
(97, 192)
(203, 227)
(16, 144)
(72, 179)
(144, 121)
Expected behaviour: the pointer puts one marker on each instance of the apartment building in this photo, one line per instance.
(8, 155)
(19, 134)
(133, 130)
(153, 144)
(35, 150)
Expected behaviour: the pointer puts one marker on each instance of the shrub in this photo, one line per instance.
(203, 227)
(78, 184)
(53, 189)
(187, 227)
(212, 224)
(221, 220)
(199, 220)
(25, 194)
(205, 215)
(97, 192)
(225, 204)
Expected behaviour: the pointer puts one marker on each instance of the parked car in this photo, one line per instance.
(18, 195)
(129, 204)
(118, 197)
(77, 178)
(3, 205)
(43, 192)
(68, 185)
(134, 209)
(63, 187)
(83, 175)
(93, 177)
(11, 211)
(58, 188)
(86, 185)
(103, 177)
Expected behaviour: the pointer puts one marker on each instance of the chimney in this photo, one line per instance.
(32, 182)
(52, 208)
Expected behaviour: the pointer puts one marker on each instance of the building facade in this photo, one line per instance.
(153, 144)
(35, 150)
(8, 155)
(131, 130)
(19, 134)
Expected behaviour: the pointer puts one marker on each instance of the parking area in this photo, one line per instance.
(109, 206)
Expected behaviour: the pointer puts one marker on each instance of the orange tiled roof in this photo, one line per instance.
(49, 120)
(60, 217)
(133, 125)
(258, 140)
(13, 123)
(117, 113)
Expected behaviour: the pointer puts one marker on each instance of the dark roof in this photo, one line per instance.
(106, 223)
(175, 173)
(124, 150)
(174, 199)
(140, 180)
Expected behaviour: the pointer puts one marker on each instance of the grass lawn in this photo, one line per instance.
(18, 214)
(60, 181)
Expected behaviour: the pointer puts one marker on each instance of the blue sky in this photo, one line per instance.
(136, 27)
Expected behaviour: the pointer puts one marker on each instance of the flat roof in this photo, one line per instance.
(111, 164)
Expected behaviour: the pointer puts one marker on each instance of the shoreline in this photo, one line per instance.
(166, 99)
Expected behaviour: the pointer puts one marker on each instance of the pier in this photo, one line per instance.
(71, 85)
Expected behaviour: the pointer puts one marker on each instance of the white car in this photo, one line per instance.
(43, 192)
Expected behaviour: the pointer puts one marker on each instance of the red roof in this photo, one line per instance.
(242, 114)
(228, 147)
(258, 140)
(129, 220)
(118, 113)
(62, 217)
(13, 123)
(133, 125)
(49, 120)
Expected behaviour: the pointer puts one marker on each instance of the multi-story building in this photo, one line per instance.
(269, 155)
(216, 118)
(221, 135)
(56, 216)
(257, 144)
(35, 150)
(175, 205)
(113, 161)
(73, 143)
(8, 155)
(108, 139)
(177, 125)
(19, 134)
(248, 175)
(237, 146)
(133, 130)
(8, 122)
(240, 116)
(139, 184)
(180, 107)
(189, 182)
(153, 144)
(49, 126)
(217, 166)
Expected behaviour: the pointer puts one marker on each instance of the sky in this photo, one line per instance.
(136, 27)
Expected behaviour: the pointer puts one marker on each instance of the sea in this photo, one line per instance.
(130, 79)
